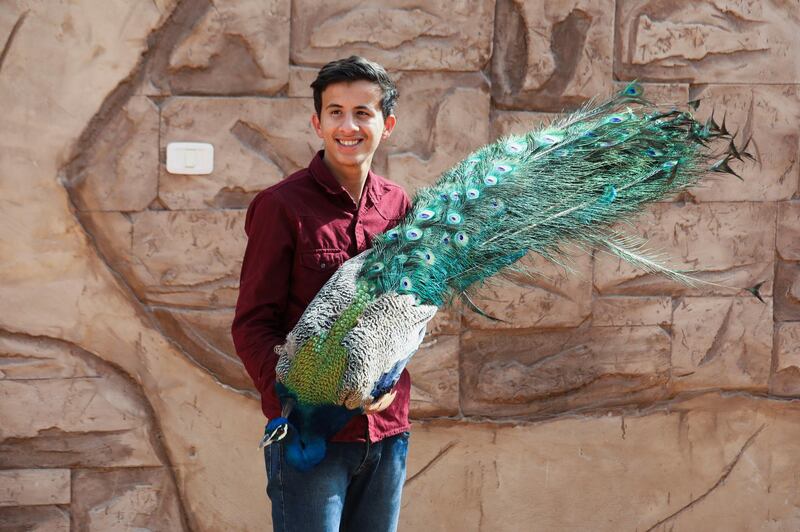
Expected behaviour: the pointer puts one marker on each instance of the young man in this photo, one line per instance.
(299, 231)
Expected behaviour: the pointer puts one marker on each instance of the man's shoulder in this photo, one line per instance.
(385, 182)
(279, 199)
(282, 191)
(388, 186)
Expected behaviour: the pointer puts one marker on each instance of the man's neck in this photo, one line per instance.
(352, 179)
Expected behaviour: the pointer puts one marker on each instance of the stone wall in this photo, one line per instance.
(608, 399)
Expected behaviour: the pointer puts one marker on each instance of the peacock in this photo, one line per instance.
(569, 182)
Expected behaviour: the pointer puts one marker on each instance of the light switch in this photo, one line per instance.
(190, 159)
(194, 158)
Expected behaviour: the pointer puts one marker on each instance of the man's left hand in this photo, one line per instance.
(381, 403)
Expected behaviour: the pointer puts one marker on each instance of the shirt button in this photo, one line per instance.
(323, 265)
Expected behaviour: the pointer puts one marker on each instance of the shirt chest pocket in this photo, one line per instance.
(323, 260)
(314, 267)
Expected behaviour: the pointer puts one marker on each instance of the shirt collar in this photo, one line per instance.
(322, 174)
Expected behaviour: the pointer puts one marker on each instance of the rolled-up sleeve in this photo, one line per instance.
(259, 323)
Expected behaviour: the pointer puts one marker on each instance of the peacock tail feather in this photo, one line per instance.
(567, 182)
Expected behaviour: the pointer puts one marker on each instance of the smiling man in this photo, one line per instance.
(299, 232)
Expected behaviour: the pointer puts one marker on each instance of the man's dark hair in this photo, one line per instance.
(355, 68)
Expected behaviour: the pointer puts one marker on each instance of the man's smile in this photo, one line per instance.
(348, 142)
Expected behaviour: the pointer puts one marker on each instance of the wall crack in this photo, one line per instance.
(11, 36)
(725, 474)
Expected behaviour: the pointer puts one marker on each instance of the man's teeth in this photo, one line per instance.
(349, 142)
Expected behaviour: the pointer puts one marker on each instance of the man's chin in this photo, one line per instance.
(350, 161)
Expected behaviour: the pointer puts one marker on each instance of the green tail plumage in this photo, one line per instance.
(567, 182)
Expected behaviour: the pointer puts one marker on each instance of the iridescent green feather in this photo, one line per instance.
(567, 182)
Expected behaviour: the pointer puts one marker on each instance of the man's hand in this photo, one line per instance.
(382, 403)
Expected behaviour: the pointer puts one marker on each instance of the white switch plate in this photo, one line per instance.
(191, 158)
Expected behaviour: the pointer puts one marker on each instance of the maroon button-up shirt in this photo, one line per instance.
(299, 232)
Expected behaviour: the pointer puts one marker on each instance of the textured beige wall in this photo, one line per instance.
(610, 400)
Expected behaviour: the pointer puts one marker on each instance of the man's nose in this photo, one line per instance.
(348, 123)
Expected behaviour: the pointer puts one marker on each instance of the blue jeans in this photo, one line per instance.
(355, 488)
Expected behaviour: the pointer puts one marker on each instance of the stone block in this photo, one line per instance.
(710, 463)
(55, 447)
(39, 358)
(73, 410)
(300, 80)
(788, 236)
(707, 42)
(552, 56)
(144, 499)
(198, 249)
(553, 297)
(621, 311)
(62, 415)
(74, 405)
(32, 487)
(257, 142)
(206, 336)
(434, 132)
(113, 233)
(447, 320)
(518, 122)
(787, 291)
(234, 47)
(785, 379)
(767, 113)
(119, 170)
(35, 519)
(541, 373)
(400, 35)
(731, 244)
(434, 378)
(721, 342)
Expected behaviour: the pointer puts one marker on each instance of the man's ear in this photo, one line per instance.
(388, 126)
(316, 124)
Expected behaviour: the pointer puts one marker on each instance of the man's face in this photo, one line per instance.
(351, 125)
